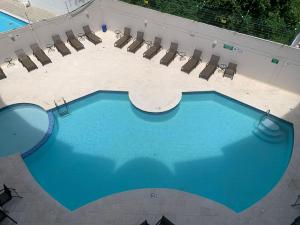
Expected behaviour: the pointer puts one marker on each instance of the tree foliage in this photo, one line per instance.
(277, 20)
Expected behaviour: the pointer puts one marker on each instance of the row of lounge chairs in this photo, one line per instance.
(163, 221)
(73, 40)
(58, 44)
(171, 53)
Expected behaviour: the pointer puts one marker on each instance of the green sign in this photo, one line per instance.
(229, 47)
(275, 61)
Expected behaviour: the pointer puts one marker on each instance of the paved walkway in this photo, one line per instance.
(104, 67)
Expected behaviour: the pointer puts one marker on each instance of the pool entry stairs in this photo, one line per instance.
(268, 130)
(62, 107)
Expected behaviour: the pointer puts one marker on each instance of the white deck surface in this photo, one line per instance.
(152, 87)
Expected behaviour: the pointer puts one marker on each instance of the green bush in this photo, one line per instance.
(276, 20)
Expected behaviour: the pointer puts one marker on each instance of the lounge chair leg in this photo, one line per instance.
(12, 219)
(297, 203)
(16, 194)
(5, 210)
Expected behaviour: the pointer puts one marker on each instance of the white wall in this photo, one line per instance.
(41, 32)
(253, 57)
(58, 7)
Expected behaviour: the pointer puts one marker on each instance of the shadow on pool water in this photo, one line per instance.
(101, 176)
(155, 117)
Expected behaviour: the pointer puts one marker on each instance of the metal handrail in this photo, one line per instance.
(266, 115)
(296, 41)
(66, 105)
(56, 105)
(66, 111)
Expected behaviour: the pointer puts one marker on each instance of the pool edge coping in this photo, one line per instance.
(15, 16)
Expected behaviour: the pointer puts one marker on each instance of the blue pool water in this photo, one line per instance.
(205, 146)
(8, 22)
(22, 127)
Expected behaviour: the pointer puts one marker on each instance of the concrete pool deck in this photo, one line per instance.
(152, 87)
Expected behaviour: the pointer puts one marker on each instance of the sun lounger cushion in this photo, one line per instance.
(25, 60)
(73, 40)
(60, 46)
(124, 39)
(91, 36)
(170, 55)
(210, 68)
(230, 70)
(192, 62)
(137, 43)
(40, 54)
(154, 49)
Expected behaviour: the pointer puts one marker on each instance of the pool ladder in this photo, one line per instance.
(63, 109)
(266, 115)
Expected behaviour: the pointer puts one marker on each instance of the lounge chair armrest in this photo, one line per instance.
(8, 188)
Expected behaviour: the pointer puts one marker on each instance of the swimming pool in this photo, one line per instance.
(9, 22)
(23, 128)
(205, 146)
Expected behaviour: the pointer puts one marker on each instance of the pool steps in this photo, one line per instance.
(269, 131)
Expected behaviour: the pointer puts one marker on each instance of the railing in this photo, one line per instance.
(81, 8)
(230, 19)
(296, 41)
(266, 115)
